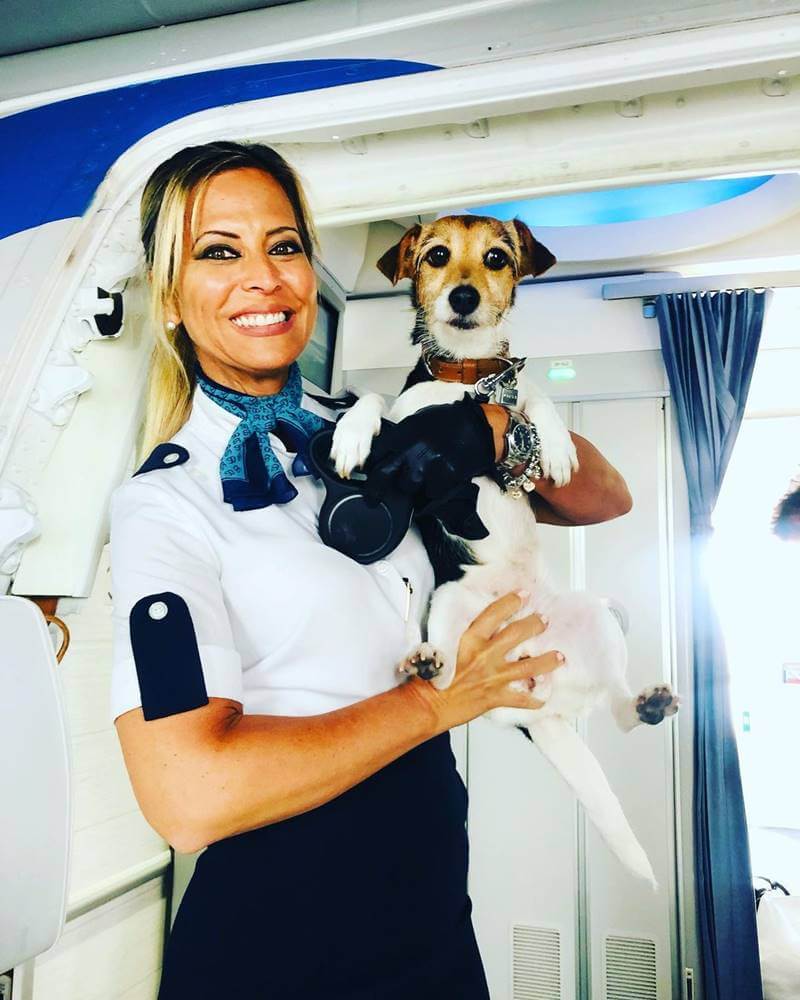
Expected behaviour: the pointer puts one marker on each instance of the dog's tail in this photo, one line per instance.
(562, 746)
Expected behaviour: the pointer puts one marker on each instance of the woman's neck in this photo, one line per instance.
(267, 383)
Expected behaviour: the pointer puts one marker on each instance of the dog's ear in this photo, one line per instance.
(535, 258)
(398, 261)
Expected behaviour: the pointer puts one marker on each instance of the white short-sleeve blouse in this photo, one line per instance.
(282, 623)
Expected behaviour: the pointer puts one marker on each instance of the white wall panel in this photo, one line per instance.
(342, 250)
(114, 952)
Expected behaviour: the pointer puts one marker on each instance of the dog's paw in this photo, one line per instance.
(559, 463)
(559, 459)
(654, 704)
(425, 661)
(352, 437)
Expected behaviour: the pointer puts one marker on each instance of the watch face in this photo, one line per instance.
(521, 440)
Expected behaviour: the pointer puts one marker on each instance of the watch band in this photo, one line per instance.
(522, 446)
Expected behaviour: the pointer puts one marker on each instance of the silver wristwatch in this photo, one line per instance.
(522, 447)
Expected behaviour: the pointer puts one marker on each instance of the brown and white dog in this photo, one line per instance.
(464, 272)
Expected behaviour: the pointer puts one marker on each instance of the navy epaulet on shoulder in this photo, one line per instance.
(164, 456)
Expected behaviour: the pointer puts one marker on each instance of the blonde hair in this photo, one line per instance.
(165, 201)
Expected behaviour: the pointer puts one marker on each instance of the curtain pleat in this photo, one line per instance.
(709, 342)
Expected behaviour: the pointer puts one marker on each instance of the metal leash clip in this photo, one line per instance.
(502, 386)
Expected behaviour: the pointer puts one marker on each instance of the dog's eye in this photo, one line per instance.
(437, 256)
(496, 259)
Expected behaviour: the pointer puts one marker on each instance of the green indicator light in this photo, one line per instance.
(561, 371)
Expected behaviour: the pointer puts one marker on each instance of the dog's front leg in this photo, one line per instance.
(355, 429)
(452, 609)
(559, 459)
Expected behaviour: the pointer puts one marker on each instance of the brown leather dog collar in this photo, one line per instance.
(468, 370)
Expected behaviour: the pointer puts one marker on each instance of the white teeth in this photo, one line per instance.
(259, 319)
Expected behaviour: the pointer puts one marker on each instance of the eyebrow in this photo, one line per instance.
(235, 236)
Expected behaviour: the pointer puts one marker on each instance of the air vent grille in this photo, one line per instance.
(630, 969)
(536, 963)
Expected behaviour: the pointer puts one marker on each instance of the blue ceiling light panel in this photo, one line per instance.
(57, 155)
(594, 208)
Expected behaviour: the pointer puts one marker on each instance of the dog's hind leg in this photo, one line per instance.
(649, 707)
(655, 703)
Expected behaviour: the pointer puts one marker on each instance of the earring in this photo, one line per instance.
(171, 326)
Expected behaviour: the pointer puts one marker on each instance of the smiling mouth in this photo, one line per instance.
(251, 320)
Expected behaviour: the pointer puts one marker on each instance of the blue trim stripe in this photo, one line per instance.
(595, 208)
(57, 155)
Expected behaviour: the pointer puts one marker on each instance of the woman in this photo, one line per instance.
(254, 686)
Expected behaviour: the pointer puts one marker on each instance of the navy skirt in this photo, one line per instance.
(363, 898)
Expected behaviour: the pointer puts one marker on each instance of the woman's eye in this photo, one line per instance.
(286, 248)
(437, 256)
(496, 259)
(219, 252)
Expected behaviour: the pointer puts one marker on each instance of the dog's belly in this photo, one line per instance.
(585, 631)
(579, 625)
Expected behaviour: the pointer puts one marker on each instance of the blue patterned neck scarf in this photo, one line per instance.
(252, 477)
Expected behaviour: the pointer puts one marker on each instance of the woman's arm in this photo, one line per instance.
(212, 772)
(596, 492)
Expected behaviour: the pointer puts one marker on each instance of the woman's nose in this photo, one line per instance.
(261, 274)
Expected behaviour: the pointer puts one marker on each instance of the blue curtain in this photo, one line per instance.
(709, 342)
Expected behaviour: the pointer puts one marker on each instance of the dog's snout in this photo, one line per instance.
(464, 299)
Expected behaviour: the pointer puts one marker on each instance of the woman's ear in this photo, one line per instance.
(172, 313)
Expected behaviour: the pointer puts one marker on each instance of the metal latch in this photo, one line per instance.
(502, 386)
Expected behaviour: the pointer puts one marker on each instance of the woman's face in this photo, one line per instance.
(246, 290)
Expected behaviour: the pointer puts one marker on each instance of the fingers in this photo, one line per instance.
(527, 669)
(494, 614)
(534, 666)
(522, 694)
(516, 632)
(521, 699)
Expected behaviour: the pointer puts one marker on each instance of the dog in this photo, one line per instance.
(464, 272)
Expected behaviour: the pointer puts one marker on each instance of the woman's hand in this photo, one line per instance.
(483, 675)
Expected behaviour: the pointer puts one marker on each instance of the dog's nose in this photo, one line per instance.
(464, 299)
